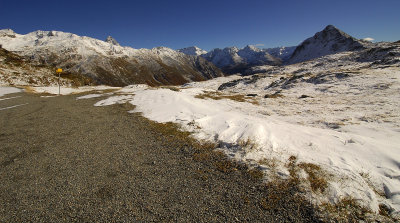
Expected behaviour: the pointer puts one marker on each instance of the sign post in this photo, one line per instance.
(58, 71)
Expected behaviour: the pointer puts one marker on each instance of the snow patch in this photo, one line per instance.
(8, 90)
(70, 90)
(89, 96)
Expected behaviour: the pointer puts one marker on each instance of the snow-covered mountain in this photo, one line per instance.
(107, 62)
(331, 40)
(284, 53)
(193, 50)
(233, 60)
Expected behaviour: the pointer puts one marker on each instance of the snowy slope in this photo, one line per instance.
(329, 41)
(193, 51)
(107, 62)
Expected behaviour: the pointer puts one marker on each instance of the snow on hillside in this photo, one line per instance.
(346, 119)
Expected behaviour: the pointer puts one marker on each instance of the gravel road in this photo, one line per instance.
(64, 160)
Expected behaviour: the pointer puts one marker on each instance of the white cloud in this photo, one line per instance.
(369, 39)
(258, 44)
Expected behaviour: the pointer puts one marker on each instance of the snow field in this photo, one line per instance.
(70, 90)
(8, 90)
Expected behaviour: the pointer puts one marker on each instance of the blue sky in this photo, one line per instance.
(206, 23)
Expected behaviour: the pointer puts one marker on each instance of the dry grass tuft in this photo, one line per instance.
(346, 210)
(172, 88)
(274, 95)
(315, 176)
(293, 169)
(225, 166)
(234, 97)
(271, 163)
(248, 144)
(384, 210)
(257, 174)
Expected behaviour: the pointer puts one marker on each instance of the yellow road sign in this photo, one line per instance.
(59, 70)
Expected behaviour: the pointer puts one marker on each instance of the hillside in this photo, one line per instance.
(16, 70)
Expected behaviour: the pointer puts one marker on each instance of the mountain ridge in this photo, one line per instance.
(192, 50)
(106, 62)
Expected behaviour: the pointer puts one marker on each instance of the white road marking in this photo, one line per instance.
(2, 99)
(14, 106)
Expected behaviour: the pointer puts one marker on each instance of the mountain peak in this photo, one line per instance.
(7, 32)
(330, 40)
(111, 40)
(192, 50)
(251, 48)
(330, 27)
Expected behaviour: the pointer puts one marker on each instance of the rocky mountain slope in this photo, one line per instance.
(107, 62)
(331, 40)
(16, 70)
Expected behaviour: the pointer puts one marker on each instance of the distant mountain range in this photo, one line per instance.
(329, 41)
(234, 60)
(106, 62)
(193, 51)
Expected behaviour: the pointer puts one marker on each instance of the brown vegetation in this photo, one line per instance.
(234, 97)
